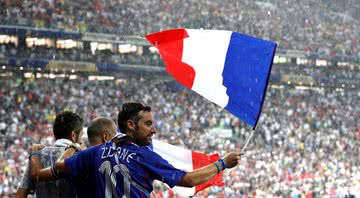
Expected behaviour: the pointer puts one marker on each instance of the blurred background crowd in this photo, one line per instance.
(307, 142)
(78, 54)
(328, 28)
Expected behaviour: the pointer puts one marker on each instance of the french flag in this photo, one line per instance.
(228, 68)
(187, 160)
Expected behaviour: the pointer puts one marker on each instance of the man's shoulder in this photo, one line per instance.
(147, 153)
(51, 153)
(109, 148)
(145, 149)
(59, 188)
(138, 149)
(90, 151)
(52, 148)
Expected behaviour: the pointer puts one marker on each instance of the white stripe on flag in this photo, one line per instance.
(205, 51)
(178, 157)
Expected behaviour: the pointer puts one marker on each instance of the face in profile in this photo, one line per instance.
(77, 136)
(144, 128)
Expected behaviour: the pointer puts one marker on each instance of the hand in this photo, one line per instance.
(77, 146)
(67, 153)
(37, 147)
(232, 159)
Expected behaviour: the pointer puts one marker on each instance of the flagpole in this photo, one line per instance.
(242, 152)
(248, 140)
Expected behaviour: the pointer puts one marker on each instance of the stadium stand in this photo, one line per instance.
(307, 140)
(321, 27)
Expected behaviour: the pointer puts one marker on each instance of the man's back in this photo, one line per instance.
(127, 171)
(58, 188)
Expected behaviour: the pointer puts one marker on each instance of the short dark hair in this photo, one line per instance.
(98, 126)
(130, 111)
(65, 122)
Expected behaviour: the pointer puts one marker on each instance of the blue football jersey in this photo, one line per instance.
(117, 171)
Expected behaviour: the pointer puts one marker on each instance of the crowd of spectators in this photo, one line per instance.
(336, 76)
(319, 76)
(10, 50)
(326, 28)
(306, 144)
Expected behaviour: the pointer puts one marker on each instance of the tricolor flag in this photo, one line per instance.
(228, 68)
(187, 160)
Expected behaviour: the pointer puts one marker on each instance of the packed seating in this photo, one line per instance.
(306, 143)
(327, 28)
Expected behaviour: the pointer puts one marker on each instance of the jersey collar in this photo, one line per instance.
(63, 142)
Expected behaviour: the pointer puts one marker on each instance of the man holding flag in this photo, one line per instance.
(228, 68)
(127, 167)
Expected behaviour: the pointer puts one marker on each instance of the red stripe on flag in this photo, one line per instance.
(200, 160)
(170, 46)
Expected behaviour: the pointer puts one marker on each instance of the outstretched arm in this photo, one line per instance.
(204, 174)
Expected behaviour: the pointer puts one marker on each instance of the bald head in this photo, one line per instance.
(101, 130)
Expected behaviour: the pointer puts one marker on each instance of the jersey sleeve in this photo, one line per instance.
(81, 163)
(161, 169)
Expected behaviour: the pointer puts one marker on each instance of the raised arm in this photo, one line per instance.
(204, 174)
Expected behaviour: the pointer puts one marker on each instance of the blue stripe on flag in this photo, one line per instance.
(246, 74)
